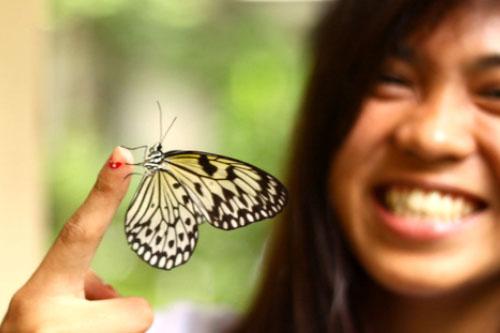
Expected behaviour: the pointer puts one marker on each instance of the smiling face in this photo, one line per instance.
(416, 183)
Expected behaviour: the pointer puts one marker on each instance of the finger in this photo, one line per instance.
(96, 289)
(69, 258)
(137, 311)
(130, 314)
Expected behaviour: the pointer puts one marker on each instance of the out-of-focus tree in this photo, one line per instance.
(233, 74)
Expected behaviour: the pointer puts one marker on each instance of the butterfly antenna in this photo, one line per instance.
(168, 129)
(161, 121)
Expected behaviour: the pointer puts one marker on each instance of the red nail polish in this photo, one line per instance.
(114, 165)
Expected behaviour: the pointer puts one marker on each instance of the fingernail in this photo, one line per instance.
(119, 157)
(114, 164)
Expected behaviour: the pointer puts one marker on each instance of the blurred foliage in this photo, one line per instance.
(246, 60)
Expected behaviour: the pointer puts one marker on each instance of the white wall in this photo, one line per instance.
(22, 221)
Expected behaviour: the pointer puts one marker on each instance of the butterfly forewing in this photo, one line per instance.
(232, 193)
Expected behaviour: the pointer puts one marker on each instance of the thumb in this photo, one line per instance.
(96, 289)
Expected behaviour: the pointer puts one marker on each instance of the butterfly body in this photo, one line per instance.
(182, 189)
(154, 158)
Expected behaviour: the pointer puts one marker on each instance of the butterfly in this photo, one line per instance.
(182, 189)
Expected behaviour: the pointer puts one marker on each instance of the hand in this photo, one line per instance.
(63, 294)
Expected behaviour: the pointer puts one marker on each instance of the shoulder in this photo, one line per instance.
(189, 318)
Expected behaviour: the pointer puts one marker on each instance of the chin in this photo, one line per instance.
(425, 279)
(414, 287)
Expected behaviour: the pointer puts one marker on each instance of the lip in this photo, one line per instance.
(427, 229)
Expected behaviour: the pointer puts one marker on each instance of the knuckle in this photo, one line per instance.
(73, 230)
(103, 185)
(20, 302)
(23, 314)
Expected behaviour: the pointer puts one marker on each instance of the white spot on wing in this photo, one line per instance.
(162, 262)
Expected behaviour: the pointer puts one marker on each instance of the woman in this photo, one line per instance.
(393, 218)
(399, 138)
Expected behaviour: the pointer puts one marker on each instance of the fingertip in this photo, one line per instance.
(120, 163)
(120, 159)
(124, 153)
(113, 178)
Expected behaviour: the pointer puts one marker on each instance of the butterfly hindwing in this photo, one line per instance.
(161, 221)
(230, 193)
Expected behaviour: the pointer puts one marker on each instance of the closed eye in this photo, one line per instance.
(387, 78)
(491, 93)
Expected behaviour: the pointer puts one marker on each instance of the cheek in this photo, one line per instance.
(487, 132)
(373, 127)
(350, 183)
(360, 155)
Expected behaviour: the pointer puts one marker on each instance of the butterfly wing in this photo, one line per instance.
(228, 192)
(161, 221)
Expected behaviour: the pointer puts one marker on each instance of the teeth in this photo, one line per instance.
(418, 204)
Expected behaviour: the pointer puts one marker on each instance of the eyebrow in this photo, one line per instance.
(486, 62)
(404, 52)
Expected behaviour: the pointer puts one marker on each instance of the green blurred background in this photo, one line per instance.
(232, 72)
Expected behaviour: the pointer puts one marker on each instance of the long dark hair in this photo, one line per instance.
(311, 282)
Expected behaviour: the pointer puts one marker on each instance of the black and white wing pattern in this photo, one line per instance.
(161, 221)
(181, 189)
(230, 193)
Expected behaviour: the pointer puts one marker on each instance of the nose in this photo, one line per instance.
(437, 128)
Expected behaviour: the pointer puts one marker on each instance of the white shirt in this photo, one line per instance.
(187, 317)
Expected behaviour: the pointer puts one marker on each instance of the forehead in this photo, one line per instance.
(469, 30)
